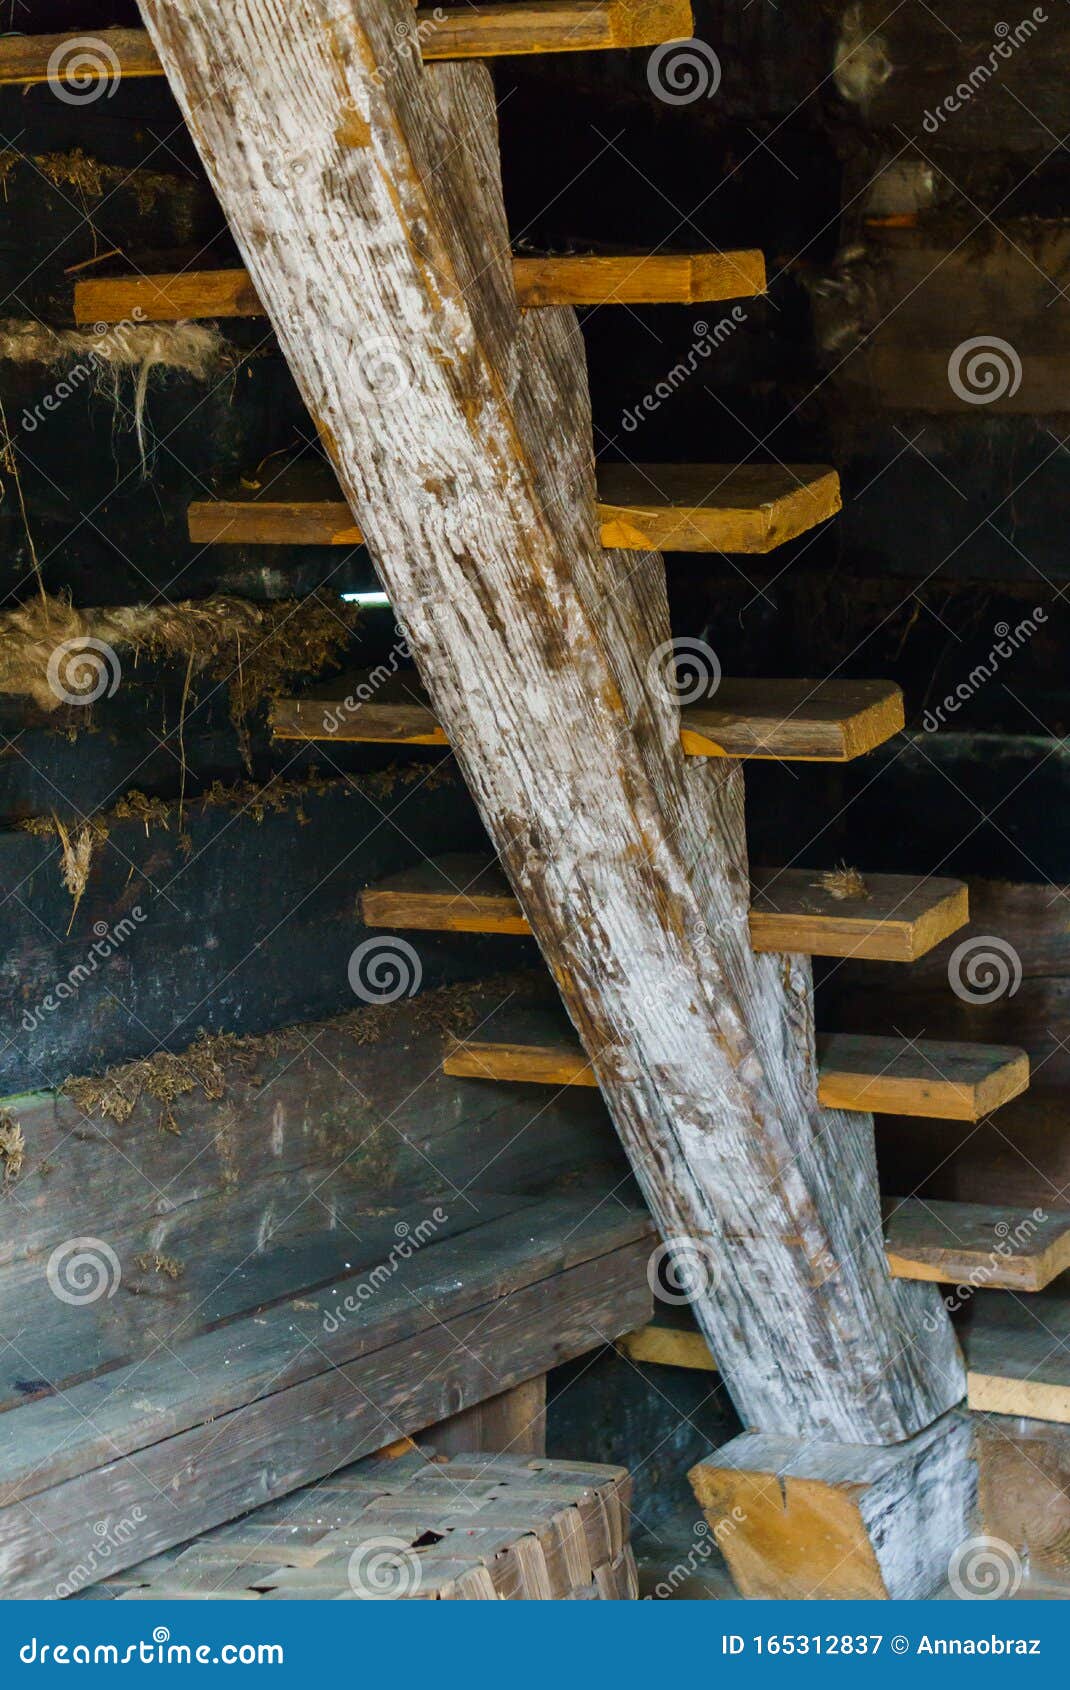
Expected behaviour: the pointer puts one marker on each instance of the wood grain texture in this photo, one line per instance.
(980, 1245)
(468, 32)
(790, 721)
(831, 1522)
(666, 1346)
(885, 1076)
(897, 919)
(1018, 1354)
(632, 279)
(932, 1077)
(381, 246)
(654, 507)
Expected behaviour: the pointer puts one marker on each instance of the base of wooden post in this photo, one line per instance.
(817, 1521)
(1024, 1499)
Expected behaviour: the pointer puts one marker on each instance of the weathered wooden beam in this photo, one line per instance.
(891, 918)
(581, 279)
(651, 507)
(793, 721)
(667, 1346)
(1018, 1354)
(369, 213)
(885, 1076)
(434, 32)
(825, 1522)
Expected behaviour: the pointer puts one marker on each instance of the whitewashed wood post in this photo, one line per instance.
(364, 192)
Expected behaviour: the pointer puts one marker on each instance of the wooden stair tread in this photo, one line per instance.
(1018, 1354)
(536, 1049)
(942, 1079)
(797, 721)
(570, 279)
(470, 32)
(656, 507)
(980, 1245)
(899, 919)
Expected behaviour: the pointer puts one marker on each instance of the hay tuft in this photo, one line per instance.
(842, 883)
(12, 1147)
(153, 1262)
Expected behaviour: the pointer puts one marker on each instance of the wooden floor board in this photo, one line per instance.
(980, 1245)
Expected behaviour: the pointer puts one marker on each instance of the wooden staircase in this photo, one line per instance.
(615, 810)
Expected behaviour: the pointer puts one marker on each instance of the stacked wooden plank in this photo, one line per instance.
(477, 1527)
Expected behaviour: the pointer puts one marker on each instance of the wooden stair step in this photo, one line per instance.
(937, 1078)
(642, 507)
(1018, 1354)
(898, 919)
(572, 279)
(976, 1245)
(851, 1069)
(796, 721)
(470, 32)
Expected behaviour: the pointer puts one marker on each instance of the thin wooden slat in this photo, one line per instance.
(655, 507)
(668, 1346)
(710, 508)
(1018, 1355)
(978, 1245)
(469, 32)
(931, 1077)
(795, 721)
(880, 1076)
(630, 279)
(896, 919)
